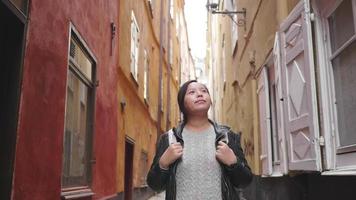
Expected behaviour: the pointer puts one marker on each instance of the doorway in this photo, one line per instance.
(129, 153)
(11, 50)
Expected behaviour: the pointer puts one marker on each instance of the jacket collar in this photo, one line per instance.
(220, 130)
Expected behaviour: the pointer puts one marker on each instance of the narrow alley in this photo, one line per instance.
(89, 88)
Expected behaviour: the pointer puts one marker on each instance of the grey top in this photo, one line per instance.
(199, 174)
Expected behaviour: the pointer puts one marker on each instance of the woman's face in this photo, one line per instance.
(197, 99)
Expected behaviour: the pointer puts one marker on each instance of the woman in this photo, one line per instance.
(206, 162)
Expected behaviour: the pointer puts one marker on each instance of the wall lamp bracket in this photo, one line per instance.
(214, 9)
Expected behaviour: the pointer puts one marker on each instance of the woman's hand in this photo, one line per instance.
(172, 153)
(225, 154)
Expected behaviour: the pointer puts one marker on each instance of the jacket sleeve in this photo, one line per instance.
(240, 173)
(157, 178)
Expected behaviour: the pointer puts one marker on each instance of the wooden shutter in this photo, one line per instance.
(137, 42)
(279, 106)
(265, 123)
(301, 121)
(133, 45)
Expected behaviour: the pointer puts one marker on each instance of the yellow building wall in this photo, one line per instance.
(237, 102)
(138, 118)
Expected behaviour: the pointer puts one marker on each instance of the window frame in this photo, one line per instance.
(150, 5)
(146, 75)
(136, 42)
(171, 51)
(81, 185)
(337, 160)
(333, 55)
(171, 9)
(223, 61)
(162, 94)
(231, 6)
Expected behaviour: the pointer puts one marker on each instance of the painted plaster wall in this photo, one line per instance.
(38, 163)
(138, 120)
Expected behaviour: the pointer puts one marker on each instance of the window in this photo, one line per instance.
(135, 43)
(146, 76)
(176, 75)
(177, 24)
(223, 57)
(336, 38)
(171, 52)
(150, 5)
(78, 115)
(234, 19)
(171, 8)
(343, 49)
(162, 91)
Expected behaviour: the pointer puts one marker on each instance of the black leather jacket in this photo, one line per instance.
(237, 175)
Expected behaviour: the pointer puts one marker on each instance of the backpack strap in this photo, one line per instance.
(171, 137)
(226, 137)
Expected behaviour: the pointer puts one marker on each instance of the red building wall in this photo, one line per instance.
(38, 162)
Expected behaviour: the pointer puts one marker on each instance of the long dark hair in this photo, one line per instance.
(180, 98)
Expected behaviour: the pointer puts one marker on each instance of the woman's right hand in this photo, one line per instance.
(172, 153)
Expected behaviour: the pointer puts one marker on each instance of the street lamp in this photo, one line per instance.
(214, 9)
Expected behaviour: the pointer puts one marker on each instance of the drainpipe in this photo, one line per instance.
(158, 125)
(168, 66)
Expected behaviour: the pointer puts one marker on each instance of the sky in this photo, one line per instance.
(196, 17)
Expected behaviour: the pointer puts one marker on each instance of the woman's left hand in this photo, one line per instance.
(225, 154)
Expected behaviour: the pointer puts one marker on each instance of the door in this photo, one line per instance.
(129, 153)
(11, 51)
(298, 88)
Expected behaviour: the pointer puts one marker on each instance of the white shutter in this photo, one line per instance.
(134, 45)
(137, 42)
(132, 52)
(265, 123)
(279, 106)
(301, 121)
